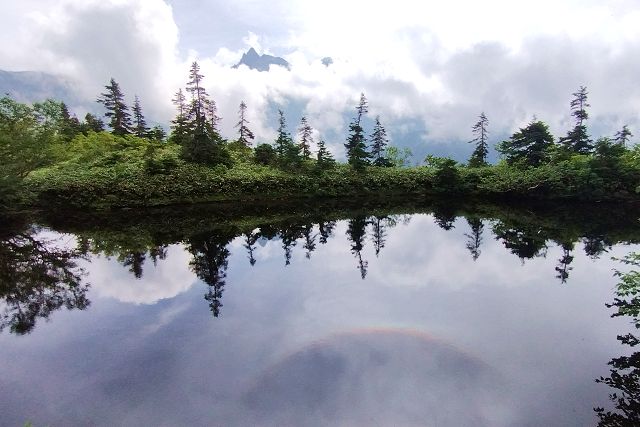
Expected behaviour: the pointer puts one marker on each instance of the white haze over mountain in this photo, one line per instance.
(427, 68)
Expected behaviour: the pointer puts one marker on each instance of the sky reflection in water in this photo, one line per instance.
(395, 320)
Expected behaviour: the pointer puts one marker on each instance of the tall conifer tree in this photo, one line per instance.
(577, 139)
(245, 135)
(305, 132)
(479, 156)
(117, 111)
(379, 142)
(140, 128)
(356, 147)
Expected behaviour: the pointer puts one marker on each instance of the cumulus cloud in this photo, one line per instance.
(427, 69)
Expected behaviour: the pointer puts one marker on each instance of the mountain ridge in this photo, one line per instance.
(258, 62)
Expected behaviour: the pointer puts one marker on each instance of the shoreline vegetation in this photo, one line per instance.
(52, 159)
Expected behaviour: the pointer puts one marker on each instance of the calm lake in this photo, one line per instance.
(431, 315)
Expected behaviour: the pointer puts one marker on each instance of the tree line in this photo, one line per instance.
(534, 145)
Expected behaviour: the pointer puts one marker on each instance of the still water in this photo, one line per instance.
(409, 316)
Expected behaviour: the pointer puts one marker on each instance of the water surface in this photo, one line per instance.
(408, 316)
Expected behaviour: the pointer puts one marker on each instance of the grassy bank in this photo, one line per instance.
(131, 182)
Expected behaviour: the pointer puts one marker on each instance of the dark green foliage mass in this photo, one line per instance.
(266, 155)
(529, 146)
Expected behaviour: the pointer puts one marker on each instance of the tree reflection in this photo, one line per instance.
(36, 279)
(624, 374)
(378, 233)
(525, 242)
(250, 240)
(563, 267)
(309, 240)
(209, 263)
(356, 233)
(326, 230)
(475, 237)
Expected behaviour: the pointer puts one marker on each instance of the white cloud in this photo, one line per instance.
(437, 64)
(162, 281)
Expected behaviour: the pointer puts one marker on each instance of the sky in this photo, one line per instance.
(428, 68)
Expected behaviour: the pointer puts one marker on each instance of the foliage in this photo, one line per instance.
(624, 375)
(265, 155)
(398, 157)
(529, 146)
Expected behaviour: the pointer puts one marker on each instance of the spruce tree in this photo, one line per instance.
(324, 158)
(288, 151)
(577, 139)
(622, 136)
(69, 125)
(199, 99)
(140, 128)
(379, 143)
(213, 120)
(305, 132)
(117, 110)
(180, 126)
(245, 134)
(157, 133)
(357, 155)
(479, 156)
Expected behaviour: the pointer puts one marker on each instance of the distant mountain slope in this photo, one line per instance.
(32, 86)
(260, 62)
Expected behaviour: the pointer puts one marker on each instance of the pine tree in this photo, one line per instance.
(199, 99)
(246, 136)
(479, 156)
(357, 154)
(288, 151)
(305, 132)
(379, 143)
(213, 121)
(157, 133)
(622, 136)
(577, 139)
(140, 128)
(180, 126)
(324, 158)
(117, 110)
(69, 125)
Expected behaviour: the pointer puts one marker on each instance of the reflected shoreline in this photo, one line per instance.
(136, 237)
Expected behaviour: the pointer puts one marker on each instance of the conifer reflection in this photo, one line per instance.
(525, 242)
(378, 233)
(356, 233)
(563, 267)
(309, 240)
(37, 277)
(475, 237)
(210, 262)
